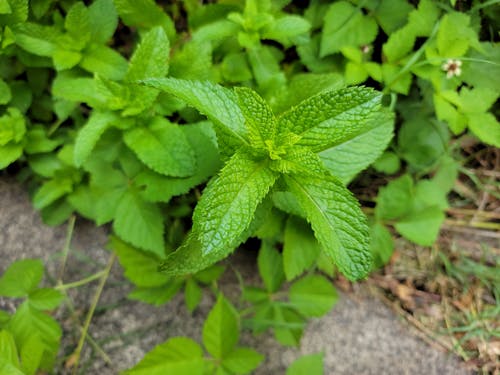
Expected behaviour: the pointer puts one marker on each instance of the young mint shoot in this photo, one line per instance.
(266, 149)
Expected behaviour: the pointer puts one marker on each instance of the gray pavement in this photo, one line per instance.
(359, 336)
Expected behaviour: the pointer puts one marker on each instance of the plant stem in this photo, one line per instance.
(81, 282)
(90, 313)
(67, 244)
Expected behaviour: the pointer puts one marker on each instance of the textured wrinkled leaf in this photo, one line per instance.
(221, 329)
(345, 25)
(332, 118)
(337, 220)
(21, 277)
(313, 296)
(45, 298)
(242, 361)
(347, 159)
(89, 135)
(140, 268)
(140, 223)
(270, 263)
(158, 188)
(259, 118)
(163, 147)
(151, 57)
(228, 203)
(311, 364)
(300, 247)
(215, 102)
(179, 355)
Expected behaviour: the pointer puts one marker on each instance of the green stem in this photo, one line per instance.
(67, 244)
(81, 282)
(484, 5)
(90, 313)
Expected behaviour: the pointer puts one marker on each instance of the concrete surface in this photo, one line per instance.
(359, 336)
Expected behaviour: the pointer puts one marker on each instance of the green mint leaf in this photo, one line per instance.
(167, 358)
(80, 90)
(77, 23)
(313, 296)
(21, 278)
(140, 223)
(15, 11)
(300, 247)
(287, 29)
(228, 203)
(345, 25)
(381, 244)
(144, 14)
(235, 68)
(103, 20)
(193, 61)
(51, 191)
(347, 159)
(45, 299)
(242, 361)
(28, 321)
(90, 134)
(158, 188)
(8, 352)
(259, 118)
(140, 267)
(331, 118)
(104, 61)
(311, 364)
(337, 220)
(12, 126)
(9, 154)
(31, 354)
(163, 147)
(221, 330)
(270, 263)
(266, 68)
(215, 102)
(151, 56)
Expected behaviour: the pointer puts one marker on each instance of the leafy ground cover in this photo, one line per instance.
(196, 128)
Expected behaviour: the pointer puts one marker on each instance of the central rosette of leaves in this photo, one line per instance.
(281, 154)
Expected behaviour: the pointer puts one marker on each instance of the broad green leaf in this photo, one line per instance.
(235, 68)
(45, 299)
(144, 14)
(5, 92)
(266, 68)
(259, 118)
(228, 203)
(81, 90)
(140, 223)
(477, 73)
(422, 227)
(345, 25)
(89, 135)
(486, 127)
(31, 354)
(313, 295)
(9, 154)
(15, 11)
(395, 199)
(455, 36)
(163, 147)
(77, 23)
(221, 329)
(347, 159)
(21, 278)
(300, 247)
(38, 141)
(28, 321)
(140, 267)
(270, 263)
(423, 19)
(288, 326)
(311, 364)
(5, 7)
(8, 350)
(387, 163)
(392, 14)
(104, 61)
(337, 220)
(193, 61)
(242, 361)
(103, 20)
(65, 59)
(37, 39)
(215, 102)
(286, 29)
(399, 44)
(332, 118)
(151, 57)
(51, 191)
(179, 355)
(12, 126)
(158, 188)
(157, 295)
(381, 244)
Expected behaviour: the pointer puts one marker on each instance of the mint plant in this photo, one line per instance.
(266, 149)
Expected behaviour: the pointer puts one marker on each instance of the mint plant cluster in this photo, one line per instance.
(191, 127)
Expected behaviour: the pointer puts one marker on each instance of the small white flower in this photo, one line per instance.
(366, 48)
(452, 68)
